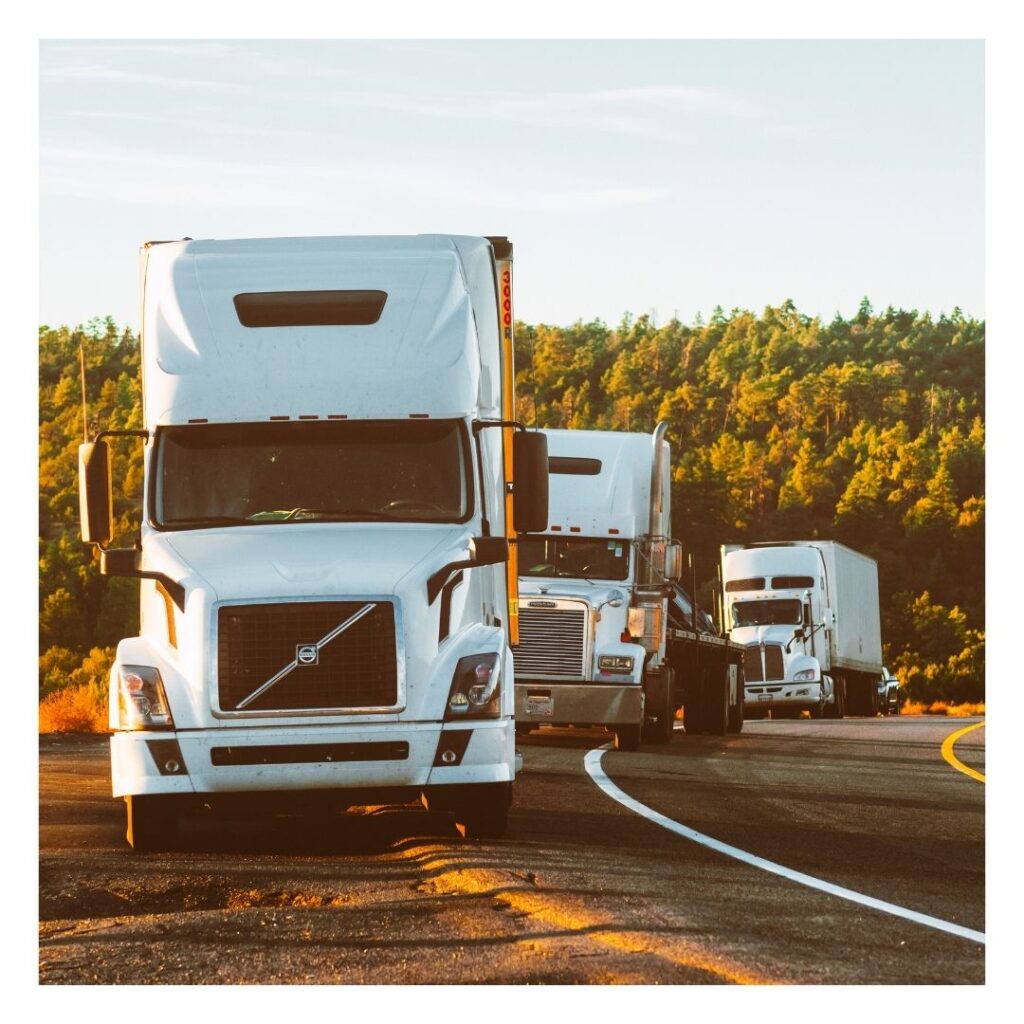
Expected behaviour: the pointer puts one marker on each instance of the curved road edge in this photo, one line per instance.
(592, 764)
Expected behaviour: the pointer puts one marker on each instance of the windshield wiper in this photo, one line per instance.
(206, 521)
(331, 514)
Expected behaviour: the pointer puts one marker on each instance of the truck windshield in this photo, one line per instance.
(581, 557)
(358, 471)
(766, 613)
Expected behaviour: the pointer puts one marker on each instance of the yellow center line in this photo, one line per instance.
(947, 752)
(571, 917)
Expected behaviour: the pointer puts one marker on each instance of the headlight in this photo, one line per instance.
(805, 675)
(141, 701)
(476, 688)
(615, 662)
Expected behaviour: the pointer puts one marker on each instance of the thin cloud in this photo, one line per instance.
(102, 73)
(161, 179)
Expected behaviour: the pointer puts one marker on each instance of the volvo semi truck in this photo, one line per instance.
(807, 616)
(328, 591)
(608, 636)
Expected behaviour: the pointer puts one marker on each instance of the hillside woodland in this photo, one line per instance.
(869, 431)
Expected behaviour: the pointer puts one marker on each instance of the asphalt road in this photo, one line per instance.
(583, 890)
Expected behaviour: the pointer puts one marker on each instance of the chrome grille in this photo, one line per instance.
(773, 667)
(752, 665)
(355, 669)
(552, 643)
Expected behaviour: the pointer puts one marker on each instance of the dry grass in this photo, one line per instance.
(74, 709)
(940, 707)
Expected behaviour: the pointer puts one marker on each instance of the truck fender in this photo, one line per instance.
(141, 650)
(801, 663)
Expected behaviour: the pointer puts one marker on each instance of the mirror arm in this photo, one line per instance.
(112, 563)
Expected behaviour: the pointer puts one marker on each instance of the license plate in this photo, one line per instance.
(764, 698)
(544, 706)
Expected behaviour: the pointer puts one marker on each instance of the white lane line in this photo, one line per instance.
(592, 763)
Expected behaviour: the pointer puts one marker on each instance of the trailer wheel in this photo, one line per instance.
(627, 737)
(482, 810)
(837, 709)
(152, 823)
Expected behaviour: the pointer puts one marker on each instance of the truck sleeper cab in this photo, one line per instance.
(324, 560)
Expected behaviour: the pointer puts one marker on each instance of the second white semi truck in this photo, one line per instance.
(607, 635)
(807, 616)
(332, 480)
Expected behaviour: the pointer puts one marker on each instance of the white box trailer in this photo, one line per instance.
(855, 639)
(807, 614)
(332, 480)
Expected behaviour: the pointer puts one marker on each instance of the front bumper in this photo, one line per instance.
(321, 757)
(583, 703)
(787, 695)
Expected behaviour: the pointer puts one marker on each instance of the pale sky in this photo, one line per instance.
(662, 177)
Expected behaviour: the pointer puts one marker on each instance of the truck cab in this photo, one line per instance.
(327, 599)
(594, 587)
(776, 608)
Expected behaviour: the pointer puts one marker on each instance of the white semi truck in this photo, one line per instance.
(608, 637)
(332, 482)
(806, 613)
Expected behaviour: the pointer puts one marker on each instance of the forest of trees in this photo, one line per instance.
(869, 431)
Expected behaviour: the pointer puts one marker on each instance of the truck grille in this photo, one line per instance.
(355, 669)
(773, 663)
(551, 643)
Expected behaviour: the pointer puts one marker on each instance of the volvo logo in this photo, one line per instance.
(307, 654)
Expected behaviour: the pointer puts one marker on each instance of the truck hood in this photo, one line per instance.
(314, 559)
(763, 634)
(595, 593)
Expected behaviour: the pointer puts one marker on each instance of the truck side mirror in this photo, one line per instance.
(674, 561)
(530, 494)
(95, 497)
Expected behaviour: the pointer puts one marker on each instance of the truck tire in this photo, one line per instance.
(693, 720)
(662, 728)
(481, 811)
(152, 823)
(837, 709)
(627, 737)
(716, 693)
(736, 714)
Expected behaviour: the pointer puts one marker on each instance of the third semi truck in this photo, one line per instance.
(806, 613)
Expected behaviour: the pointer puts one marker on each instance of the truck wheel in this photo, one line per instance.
(736, 715)
(837, 709)
(716, 703)
(661, 729)
(627, 737)
(817, 710)
(152, 823)
(482, 812)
